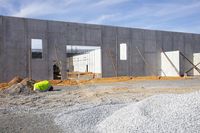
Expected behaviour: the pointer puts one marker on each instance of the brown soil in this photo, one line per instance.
(111, 80)
(15, 80)
(72, 82)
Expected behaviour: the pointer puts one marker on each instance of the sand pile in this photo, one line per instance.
(162, 113)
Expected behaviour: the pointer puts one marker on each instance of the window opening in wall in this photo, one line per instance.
(36, 48)
(123, 51)
(83, 62)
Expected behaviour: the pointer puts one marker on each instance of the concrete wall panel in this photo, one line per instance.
(55, 27)
(167, 41)
(14, 48)
(151, 64)
(16, 34)
(149, 35)
(109, 33)
(150, 46)
(137, 34)
(34, 25)
(93, 35)
(196, 44)
(57, 53)
(109, 63)
(14, 24)
(123, 36)
(136, 65)
(124, 33)
(76, 32)
(188, 52)
(1, 37)
(178, 42)
(109, 51)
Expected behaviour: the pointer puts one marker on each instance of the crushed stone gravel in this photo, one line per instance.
(162, 113)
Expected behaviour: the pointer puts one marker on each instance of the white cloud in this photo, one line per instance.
(42, 8)
(110, 2)
(103, 18)
(156, 14)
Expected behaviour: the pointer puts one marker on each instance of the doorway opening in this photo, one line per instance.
(56, 72)
(83, 62)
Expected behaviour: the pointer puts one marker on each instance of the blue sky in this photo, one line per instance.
(170, 15)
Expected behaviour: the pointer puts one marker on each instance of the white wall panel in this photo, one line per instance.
(196, 60)
(170, 63)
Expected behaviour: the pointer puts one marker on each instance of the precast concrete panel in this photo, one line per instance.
(167, 41)
(57, 54)
(16, 35)
(123, 36)
(149, 35)
(1, 38)
(57, 27)
(196, 44)
(39, 69)
(93, 35)
(34, 25)
(159, 43)
(136, 65)
(15, 48)
(1, 47)
(151, 64)
(76, 32)
(178, 42)
(137, 34)
(188, 52)
(109, 51)
(150, 46)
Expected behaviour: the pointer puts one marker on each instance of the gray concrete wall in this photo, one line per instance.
(144, 47)
(1, 48)
(13, 48)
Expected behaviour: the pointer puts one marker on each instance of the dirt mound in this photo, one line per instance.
(24, 87)
(3, 86)
(15, 80)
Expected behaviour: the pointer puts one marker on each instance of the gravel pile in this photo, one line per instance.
(158, 114)
(84, 120)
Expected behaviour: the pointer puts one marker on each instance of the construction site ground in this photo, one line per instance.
(79, 106)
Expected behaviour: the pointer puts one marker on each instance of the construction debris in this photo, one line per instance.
(18, 86)
(15, 80)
